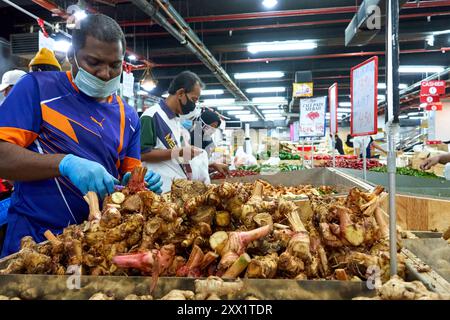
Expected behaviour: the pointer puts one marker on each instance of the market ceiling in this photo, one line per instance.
(227, 27)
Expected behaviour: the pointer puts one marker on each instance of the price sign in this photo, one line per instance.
(303, 89)
(434, 107)
(312, 117)
(128, 84)
(429, 99)
(433, 87)
(333, 103)
(364, 109)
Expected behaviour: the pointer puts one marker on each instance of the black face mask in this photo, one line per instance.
(189, 106)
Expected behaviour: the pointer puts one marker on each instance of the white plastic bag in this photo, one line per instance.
(243, 159)
(200, 168)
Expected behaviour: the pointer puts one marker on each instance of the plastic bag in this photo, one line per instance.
(243, 159)
(200, 168)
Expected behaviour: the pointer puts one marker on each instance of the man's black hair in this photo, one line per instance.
(209, 117)
(44, 67)
(185, 80)
(100, 27)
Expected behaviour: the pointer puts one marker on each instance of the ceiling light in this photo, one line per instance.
(280, 100)
(142, 93)
(400, 86)
(212, 102)
(345, 104)
(212, 92)
(248, 117)
(430, 41)
(132, 57)
(437, 33)
(266, 90)
(403, 116)
(239, 112)
(414, 114)
(62, 45)
(420, 69)
(279, 111)
(148, 82)
(269, 3)
(342, 110)
(291, 45)
(259, 75)
(230, 108)
(148, 85)
(268, 107)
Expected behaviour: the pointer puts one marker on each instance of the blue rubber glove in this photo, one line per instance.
(152, 180)
(87, 175)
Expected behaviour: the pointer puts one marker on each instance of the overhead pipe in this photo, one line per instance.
(323, 56)
(188, 38)
(287, 13)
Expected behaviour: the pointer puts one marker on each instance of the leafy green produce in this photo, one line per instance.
(405, 171)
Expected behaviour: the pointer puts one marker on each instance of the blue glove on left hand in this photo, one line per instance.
(152, 180)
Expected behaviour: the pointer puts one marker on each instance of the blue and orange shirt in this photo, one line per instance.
(46, 113)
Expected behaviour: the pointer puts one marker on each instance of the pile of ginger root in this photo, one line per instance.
(229, 230)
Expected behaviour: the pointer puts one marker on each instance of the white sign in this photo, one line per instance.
(128, 84)
(364, 81)
(45, 42)
(312, 117)
(333, 102)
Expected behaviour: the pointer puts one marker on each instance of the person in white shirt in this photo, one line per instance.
(9, 79)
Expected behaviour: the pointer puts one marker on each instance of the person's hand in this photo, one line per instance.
(152, 181)
(222, 168)
(87, 175)
(189, 152)
(429, 163)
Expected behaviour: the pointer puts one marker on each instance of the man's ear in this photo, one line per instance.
(180, 93)
(70, 54)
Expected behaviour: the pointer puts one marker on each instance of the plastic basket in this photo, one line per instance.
(4, 206)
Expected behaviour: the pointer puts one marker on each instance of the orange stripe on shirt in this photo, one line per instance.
(17, 136)
(69, 76)
(122, 123)
(59, 121)
(129, 164)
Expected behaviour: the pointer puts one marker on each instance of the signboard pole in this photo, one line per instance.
(312, 152)
(364, 160)
(392, 75)
(333, 143)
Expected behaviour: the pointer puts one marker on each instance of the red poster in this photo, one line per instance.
(434, 107)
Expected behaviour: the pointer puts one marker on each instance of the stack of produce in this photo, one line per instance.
(227, 230)
(288, 156)
(261, 168)
(353, 163)
(233, 173)
(405, 171)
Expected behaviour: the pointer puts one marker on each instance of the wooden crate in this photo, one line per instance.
(421, 213)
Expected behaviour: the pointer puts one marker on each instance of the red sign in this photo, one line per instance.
(429, 99)
(434, 107)
(433, 87)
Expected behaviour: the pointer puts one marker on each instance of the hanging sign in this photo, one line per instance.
(364, 105)
(433, 87)
(303, 90)
(333, 103)
(312, 117)
(429, 99)
(128, 84)
(434, 107)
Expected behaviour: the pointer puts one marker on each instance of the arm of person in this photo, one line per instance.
(430, 162)
(376, 146)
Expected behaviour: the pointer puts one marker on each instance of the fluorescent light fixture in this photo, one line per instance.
(400, 86)
(248, 117)
(259, 75)
(438, 33)
(290, 45)
(212, 92)
(345, 104)
(381, 97)
(230, 108)
(343, 110)
(430, 40)
(275, 118)
(249, 120)
(62, 45)
(132, 57)
(279, 111)
(266, 90)
(212, 102)
(417, 118)
(148, 85)
(414, 113)
(342, 114)
(239, 112)
(268, 107)
(280, 100)
(269, 3)
(80, 15)
(420, 69)
(403, 116)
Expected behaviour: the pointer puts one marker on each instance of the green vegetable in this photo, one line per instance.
(407, 172)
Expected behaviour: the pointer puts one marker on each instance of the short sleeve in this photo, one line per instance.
(20, 113)
(133, 152)
(148, 134)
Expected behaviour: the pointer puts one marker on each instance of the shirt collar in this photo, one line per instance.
(170, 114)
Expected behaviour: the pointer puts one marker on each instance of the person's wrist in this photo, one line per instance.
(63, 164)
